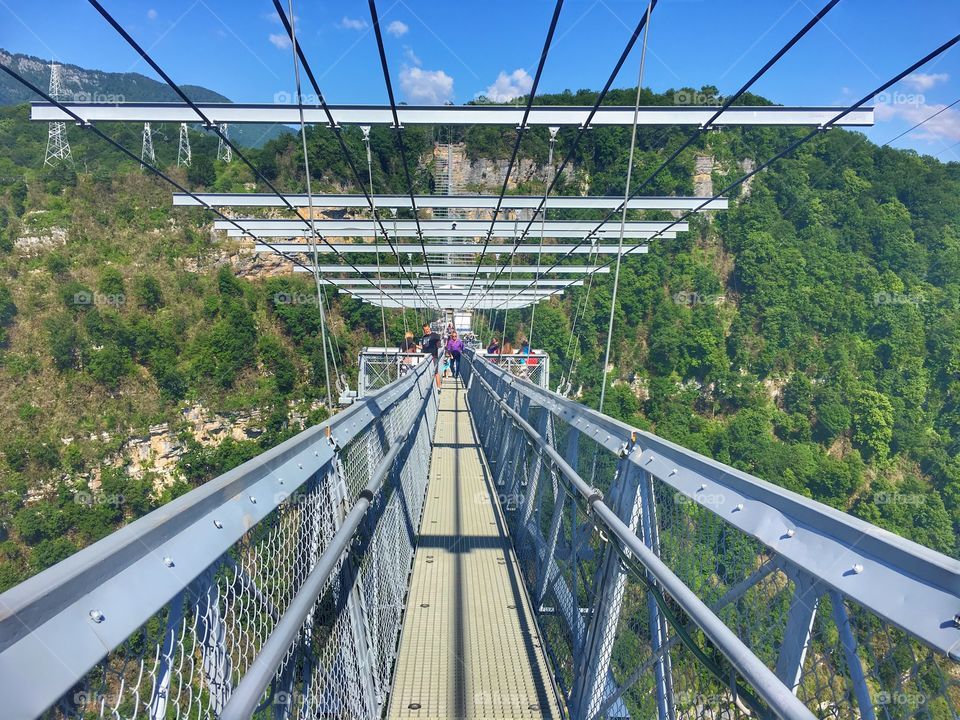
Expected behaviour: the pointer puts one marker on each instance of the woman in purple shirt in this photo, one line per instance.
(454, 351)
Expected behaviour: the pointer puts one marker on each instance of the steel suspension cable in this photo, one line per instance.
(215, 128)
(922, 122)
(832, 122)
(401, 145)
(704, 127)
(345, 151)
(516, 145)
(543, 223)
(623, 217)
(581, 130)
(313, 225)
(383, 317)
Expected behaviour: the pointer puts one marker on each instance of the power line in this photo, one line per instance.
(87, 125)
(707, 125)
(516, 145)
(586, 124)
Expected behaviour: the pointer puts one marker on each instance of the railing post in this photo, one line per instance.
(350, 582)
(161, 681)
(796, 636)
(663, 675)
(556, 520)
(860, 688)
(591, 682)
(215, 656)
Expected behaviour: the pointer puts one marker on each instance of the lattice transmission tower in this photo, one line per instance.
(146, 149)
(224, 151)
(184, 157)
(58, 148)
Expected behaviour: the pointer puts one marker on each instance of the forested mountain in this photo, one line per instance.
(809, 335)
(85, 85)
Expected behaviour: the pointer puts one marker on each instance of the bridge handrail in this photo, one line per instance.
(783, 702)
(244, 700)
(55, 626)
(912, 586)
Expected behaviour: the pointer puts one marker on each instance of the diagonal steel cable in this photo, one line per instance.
(516, 145)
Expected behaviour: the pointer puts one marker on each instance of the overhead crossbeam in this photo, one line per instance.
(461, 269)
(542, 115)
(465, 226)
(367, 232)
(451, 249)
(448, 284)
(450, 202)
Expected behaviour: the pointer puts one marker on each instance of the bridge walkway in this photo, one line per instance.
(470, 647)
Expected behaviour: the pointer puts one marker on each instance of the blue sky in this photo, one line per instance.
(449, 49)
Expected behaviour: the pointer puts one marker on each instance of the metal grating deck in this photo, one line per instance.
(470, 647)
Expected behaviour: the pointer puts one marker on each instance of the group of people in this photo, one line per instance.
(495, 348)
(448, 347)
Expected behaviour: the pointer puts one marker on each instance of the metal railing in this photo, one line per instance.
(276, 588)
(378, 367)
(668, 585)
(534, 367)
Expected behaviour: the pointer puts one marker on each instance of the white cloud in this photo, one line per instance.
(410, 56)
(924, 81)
(510, 87)
(945, 127)
(281, 42)
(426, 87)
(349, 23)
(397, 28)
(151, 14)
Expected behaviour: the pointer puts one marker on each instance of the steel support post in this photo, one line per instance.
(349, 583)
(215, 656)
(796, 636)
(160, 695)
(592, 683)
(548, 566)
(860, 688)
(663, 677)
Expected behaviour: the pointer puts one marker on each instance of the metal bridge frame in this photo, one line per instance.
(59, 624)
(450, 202)
(823, 552)
(544, 115)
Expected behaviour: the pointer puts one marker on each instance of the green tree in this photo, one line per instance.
(872, 422)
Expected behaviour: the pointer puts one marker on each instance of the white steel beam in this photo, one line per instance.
(454, 303)
(470, 228)
(447, 284)
(453, 248)
(450, 202)
(368, 232)
(436, 270)
(509, 115)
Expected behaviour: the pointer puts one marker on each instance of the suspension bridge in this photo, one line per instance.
(482, 546)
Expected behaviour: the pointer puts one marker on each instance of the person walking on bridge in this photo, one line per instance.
(430, 343)
(454, 352)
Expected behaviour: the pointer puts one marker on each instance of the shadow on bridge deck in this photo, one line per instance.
(470, 647)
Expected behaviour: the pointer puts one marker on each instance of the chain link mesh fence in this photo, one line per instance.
(186, 659)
